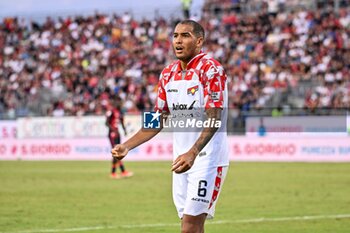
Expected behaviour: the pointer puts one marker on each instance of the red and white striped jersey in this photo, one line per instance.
(202, 68)
(187, 94)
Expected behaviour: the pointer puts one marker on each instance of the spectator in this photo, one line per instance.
(299, 58)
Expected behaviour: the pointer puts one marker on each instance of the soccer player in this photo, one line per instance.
(114, 117)
(195, 83)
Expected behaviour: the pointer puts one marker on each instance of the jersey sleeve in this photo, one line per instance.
(214, 85)
(161, 104)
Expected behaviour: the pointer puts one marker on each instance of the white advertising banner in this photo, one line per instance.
(72, 127)
(62, 127)
(297, 126)
(160, 148)
(79, 149)
(55, 149)
(132, 124)
(302, 149)
(8, 129)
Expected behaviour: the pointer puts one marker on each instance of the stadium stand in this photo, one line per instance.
(285, 57)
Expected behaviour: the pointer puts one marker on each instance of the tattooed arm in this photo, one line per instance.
(185, 161)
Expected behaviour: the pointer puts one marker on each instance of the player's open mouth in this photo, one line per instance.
(179, 49)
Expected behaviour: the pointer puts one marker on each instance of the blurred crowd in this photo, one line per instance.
(76, 66)
(276, 59)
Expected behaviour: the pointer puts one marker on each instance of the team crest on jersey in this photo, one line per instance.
(192, 90)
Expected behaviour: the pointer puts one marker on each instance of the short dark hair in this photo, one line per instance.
(198, 30)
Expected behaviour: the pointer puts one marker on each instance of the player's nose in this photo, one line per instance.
(177, 40)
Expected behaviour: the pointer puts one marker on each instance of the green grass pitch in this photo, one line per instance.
(71, 196)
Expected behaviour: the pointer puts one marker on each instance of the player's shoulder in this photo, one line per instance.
(212, 67)
(208, 62)
(170, 68)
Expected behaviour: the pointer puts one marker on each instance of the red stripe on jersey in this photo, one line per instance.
(217, 186)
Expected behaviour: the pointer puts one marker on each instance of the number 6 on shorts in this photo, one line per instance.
(202, 188)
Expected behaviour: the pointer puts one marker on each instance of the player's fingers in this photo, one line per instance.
(182, 169)
(117, 147)
(176, 165)
(114, 149)
(176, 161)
(115, 155)
(118, 156)
(114, 152)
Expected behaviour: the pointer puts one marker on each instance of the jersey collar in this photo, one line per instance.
(193, 62)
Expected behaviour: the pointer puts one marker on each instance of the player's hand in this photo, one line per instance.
(184, 162)
(119, 151)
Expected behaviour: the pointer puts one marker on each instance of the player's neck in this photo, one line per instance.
(183, 65)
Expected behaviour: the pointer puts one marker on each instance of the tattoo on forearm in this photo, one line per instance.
(207, 133)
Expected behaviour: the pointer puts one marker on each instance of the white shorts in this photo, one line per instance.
(197, 192)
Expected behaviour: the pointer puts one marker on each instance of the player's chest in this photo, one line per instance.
(184, 94)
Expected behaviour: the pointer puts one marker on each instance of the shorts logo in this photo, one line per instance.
(192, 90)
(199, 200)
(151, 120)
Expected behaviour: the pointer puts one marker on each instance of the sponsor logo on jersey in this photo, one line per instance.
(179, 106)
(192, 90)
(172, 90)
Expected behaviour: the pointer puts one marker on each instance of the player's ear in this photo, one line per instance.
(200, 41)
